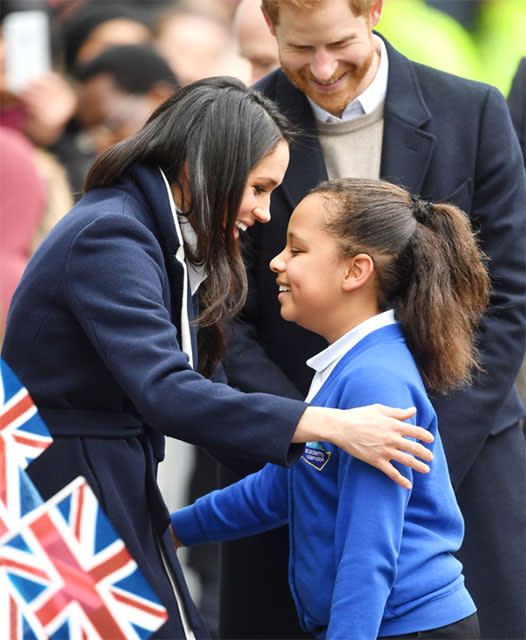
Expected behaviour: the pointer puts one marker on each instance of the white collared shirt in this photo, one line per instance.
(196, 274)
(368, 100)
(324, 362)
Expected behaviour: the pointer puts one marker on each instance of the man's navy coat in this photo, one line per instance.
(517, 104)
(93, 333)
(447, 139)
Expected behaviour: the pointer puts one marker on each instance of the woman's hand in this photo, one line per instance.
(374, 434)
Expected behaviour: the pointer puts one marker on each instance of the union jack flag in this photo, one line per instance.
(23, 437)
(70, 576)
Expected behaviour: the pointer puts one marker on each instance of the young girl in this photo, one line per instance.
(396, 286)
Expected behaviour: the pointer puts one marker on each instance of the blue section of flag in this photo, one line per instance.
(104, 532)
(29, 497)
(142, 633)
(19, 542)
(10, 381)
(28, 589)
(28, 633)
(64, 506)
(62, 632)
(136, 583)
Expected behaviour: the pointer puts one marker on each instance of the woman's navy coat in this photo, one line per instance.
(93, 333)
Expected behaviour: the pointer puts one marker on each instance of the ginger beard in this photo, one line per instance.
(348, 75)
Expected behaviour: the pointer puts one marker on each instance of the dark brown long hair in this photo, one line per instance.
(221, 129)
(429, 268)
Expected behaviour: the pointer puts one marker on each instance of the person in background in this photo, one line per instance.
(102, 329)
(22, 116)
(118, 91)
(395, 285)
(254, 40)
(46, 108)
(197, 45)
(24, 198)
(368, 111)
(95, 26)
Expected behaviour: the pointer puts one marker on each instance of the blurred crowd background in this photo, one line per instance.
(110, 65)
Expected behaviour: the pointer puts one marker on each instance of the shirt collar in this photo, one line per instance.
(196, 273)
(368, 100)
(335, 351)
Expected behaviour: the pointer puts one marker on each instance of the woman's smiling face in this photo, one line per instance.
(264, 177)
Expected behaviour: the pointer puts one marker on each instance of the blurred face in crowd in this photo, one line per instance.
(192, 45)
(327, 51)
(118, 31)
(254, 39)
(108, 114)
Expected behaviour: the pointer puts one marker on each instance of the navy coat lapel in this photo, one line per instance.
(405, 116)
(153, 190)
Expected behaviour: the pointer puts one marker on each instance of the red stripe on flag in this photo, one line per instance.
(16, 411)
(110, 565)
(158, 611)
(78, 586)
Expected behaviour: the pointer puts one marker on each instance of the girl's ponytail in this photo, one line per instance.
(428, 265)
(447, 290)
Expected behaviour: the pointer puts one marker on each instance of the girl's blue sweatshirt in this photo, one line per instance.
(367, 557)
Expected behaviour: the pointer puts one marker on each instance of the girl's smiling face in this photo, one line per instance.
(310, 271)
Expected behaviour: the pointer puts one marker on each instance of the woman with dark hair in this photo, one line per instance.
(103, 327)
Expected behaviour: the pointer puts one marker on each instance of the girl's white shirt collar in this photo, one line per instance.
(324, 362)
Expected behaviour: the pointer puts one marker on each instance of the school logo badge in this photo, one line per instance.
(315, 455)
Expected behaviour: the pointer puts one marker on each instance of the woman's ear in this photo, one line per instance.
(359, 270)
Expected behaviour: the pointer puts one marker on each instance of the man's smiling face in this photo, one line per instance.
(328, 52)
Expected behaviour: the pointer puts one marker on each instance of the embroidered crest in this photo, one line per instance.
(315, 455)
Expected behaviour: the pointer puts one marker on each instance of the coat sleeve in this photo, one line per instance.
(255, 504)
(498, 213)
(117, 287)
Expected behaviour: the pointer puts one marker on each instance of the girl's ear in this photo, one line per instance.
(359, 270)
